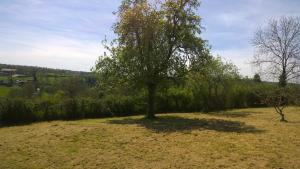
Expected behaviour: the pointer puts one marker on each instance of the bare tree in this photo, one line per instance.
(276, 97)
(278, 49)
(278, 54)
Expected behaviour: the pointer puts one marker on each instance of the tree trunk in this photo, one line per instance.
(151, 101)
(283, 118)
(209, 99)
(11, 82)
(283, 79)
(280, 112)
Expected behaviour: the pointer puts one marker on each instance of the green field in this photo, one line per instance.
(245, 138)
(4, 91)
(16, 78)
(3, 78)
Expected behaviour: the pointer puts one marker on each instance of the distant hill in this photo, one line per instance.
(28, 70)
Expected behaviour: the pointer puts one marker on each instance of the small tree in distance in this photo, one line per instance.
(276, 97)
(256, 78)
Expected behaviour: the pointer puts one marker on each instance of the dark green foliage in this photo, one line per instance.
(175, 99)
(50, 110)
(72, 86)
(17, 111)
(22, 111)
(72, 109)
(256, 78)
(93, 108)
(240, 93)
(26, 91)
(282, 80)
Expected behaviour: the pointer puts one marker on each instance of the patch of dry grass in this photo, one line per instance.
(246, 138)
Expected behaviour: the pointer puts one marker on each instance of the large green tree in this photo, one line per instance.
(156, 41)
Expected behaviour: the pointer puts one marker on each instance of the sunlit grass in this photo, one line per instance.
(246, 138)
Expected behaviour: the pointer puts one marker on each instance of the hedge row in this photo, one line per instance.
(26, 111)
(20, 110)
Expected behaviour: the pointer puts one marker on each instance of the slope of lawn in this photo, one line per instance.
(245, 138)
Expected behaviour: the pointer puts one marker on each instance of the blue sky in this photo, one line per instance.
(67, 34)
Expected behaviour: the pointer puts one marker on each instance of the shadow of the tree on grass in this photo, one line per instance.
(231, 114)
(180, 124)
(5, 125)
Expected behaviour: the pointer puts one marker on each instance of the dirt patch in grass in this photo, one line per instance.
(194, 140)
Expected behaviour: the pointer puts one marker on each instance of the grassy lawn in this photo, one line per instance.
(245, 138)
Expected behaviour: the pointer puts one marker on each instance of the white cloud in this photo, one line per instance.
(53, 52)
(240, 57)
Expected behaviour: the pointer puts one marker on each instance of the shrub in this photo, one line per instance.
(72, 109)
(94, 108)
(17, 111)
(49, 110)
(122, 105)
(174, 100)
